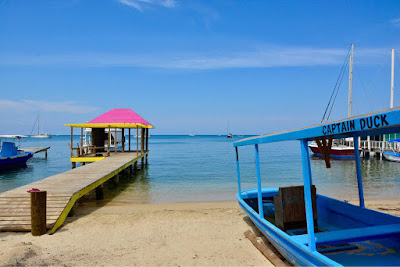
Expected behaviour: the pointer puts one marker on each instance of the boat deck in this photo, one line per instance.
(63, 190)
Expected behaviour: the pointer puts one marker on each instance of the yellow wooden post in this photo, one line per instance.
(137, 141)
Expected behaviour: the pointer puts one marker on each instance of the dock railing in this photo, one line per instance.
(377, 145)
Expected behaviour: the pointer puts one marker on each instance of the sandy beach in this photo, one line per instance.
(201, 233)
(144, 234)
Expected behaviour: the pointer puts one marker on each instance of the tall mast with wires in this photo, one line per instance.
(392, 81)
(350, 80)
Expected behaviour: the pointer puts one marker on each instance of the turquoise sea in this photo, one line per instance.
(203, 168)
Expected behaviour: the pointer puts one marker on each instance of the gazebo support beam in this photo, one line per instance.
(123, 140)
(129, 131)
(81, 141)
(115, 140)
(142, 142)
(109, 141)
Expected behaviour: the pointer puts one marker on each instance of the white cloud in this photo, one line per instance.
(141, 4)
(263, 57)
(395, 22)
(25, 105)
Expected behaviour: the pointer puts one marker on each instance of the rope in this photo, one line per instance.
(337, 91)
(334, 88)
(363, 87)
(33, 128)
(376, 75)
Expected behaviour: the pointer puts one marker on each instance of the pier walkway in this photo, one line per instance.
(63, 190)
(35, 150)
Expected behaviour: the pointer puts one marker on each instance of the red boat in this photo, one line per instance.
(337, 150)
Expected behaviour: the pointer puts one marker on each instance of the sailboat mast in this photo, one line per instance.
(38, 126)
(392, 81)
(350, 80)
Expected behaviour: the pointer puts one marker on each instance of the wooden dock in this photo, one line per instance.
(35, 150)
(63, 190)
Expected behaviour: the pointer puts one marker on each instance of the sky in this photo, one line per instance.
(189, 67)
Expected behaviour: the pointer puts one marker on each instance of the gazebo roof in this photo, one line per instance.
(116, 118)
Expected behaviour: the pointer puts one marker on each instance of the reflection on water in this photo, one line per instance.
(381, 178)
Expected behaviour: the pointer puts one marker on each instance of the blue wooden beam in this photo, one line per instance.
(238, 172)
(387, 121)
(351, 235)
(307, 194)
(259, 197)
(358, 170)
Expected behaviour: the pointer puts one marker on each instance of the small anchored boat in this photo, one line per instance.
(39, 134)
(392, 155)
(310, 229)
(10, 155)
(338, 150)
(228, 131)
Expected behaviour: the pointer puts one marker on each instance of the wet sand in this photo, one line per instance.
(201, 233)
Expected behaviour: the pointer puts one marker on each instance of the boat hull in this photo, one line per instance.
(391, 156)
(335, 152)
(10, 162)
(347, 245)
(294, 253)
(40, 136)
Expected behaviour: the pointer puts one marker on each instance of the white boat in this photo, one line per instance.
(39, 135)
(392, 155)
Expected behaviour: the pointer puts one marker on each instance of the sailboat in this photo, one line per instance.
(228, 132)
(39, 135)
(339, 148)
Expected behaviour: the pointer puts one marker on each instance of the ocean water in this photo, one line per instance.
(203, 168)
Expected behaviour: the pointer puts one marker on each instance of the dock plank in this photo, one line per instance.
(63, 190)
(35, 150)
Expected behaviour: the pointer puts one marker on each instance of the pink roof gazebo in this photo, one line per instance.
(117, 117)
(104, 135)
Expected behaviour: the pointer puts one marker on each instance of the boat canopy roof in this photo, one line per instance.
(394, 140)
(10, 136)
(115, 118)
(381, 122)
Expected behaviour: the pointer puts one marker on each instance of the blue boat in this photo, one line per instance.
(392, 155)
(10, 155)
(309, 229)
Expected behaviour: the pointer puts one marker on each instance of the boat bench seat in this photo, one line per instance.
(350, 235)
